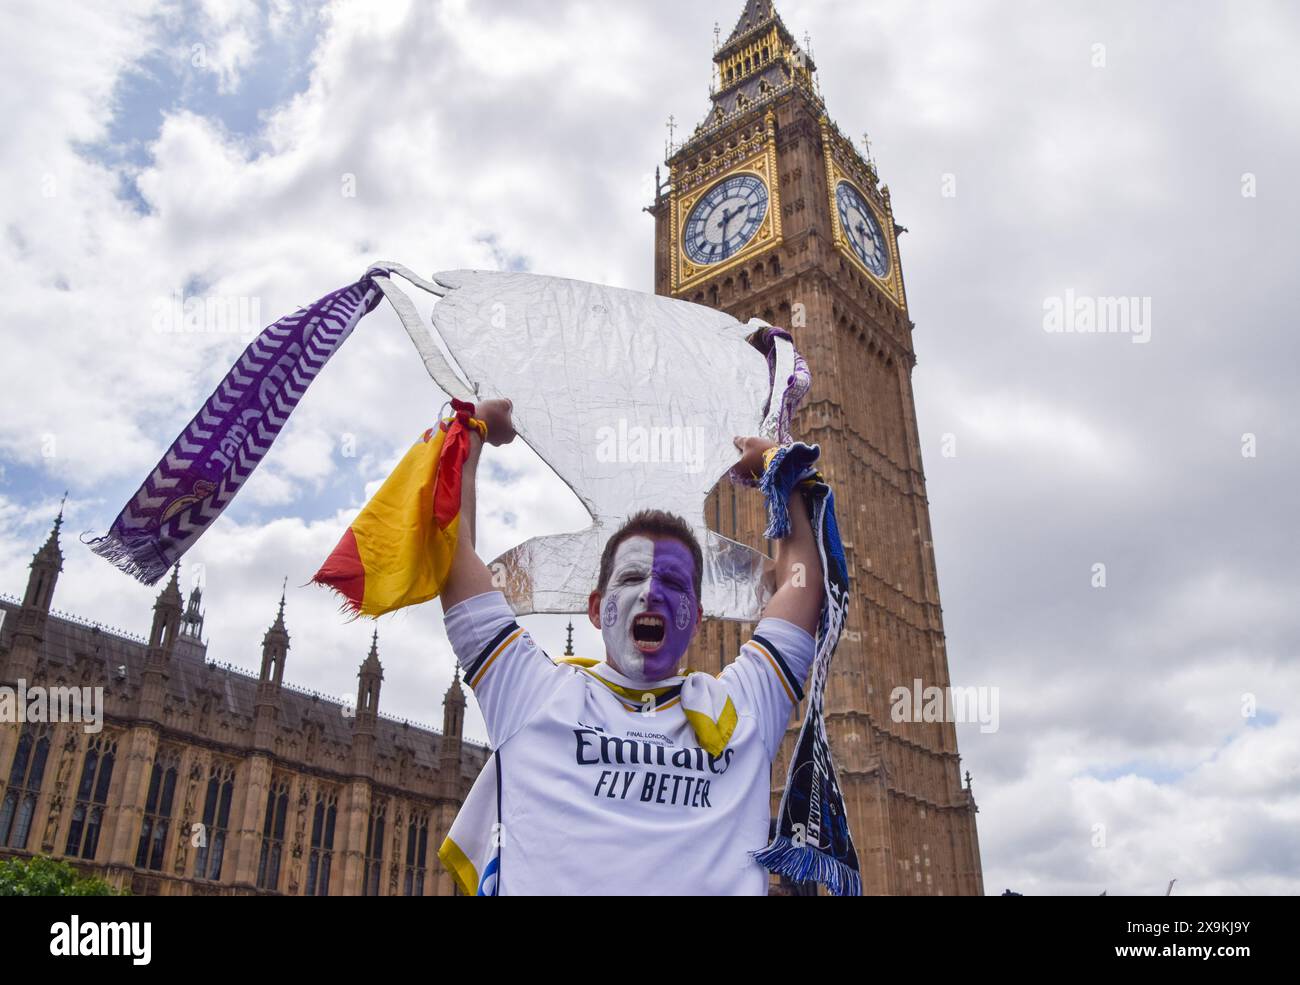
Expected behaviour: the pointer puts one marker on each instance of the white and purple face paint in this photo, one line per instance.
(647, 614)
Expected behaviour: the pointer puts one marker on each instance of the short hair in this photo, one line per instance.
(652, 523)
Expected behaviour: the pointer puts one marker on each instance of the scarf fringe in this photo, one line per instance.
(808, 864)
(136, 556)
(789, 466)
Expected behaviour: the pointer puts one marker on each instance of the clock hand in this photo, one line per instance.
(732, 215)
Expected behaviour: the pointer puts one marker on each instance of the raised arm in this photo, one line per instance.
(509, 673)
(798, 568)
(469, 576)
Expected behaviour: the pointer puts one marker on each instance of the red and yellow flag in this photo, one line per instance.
(399, 549)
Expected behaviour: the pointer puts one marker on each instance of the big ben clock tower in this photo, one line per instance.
(770, 211)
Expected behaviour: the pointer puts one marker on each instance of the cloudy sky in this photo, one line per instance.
(1148, 729)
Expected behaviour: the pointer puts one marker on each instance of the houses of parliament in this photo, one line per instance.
(206, 779)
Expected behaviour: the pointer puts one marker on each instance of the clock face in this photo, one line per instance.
(725, 219)
(861, 228)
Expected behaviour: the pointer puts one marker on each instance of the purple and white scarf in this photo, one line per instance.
(212, 458)
(777, 421)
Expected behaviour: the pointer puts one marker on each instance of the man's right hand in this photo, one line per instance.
(496, 415)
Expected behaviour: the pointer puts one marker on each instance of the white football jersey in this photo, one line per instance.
(601, 785)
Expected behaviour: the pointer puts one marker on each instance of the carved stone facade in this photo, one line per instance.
(912, 819)
(209, 780)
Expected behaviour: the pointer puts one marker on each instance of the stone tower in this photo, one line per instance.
(770, 211)
(29, 632)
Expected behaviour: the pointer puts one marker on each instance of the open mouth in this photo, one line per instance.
(648, 632)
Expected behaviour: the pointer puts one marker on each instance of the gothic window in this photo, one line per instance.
(216, 821)
(374, 848)
(157, 813)
(92, 795)
(268, 864)
(25, 776)
(417, 845)
(322, 843)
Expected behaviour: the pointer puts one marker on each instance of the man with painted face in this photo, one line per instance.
(626, 776)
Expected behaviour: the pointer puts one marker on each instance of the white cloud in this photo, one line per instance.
(1032, 426)
(1221, 828)
(226, 40)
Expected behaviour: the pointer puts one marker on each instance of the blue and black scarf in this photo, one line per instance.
(812, 841)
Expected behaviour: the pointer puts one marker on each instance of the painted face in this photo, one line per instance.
(647, 614)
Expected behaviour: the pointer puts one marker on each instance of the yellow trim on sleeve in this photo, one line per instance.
(460, 867)
(495, 653)
(776, 668)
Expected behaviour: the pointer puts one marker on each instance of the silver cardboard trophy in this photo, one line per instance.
(631, 399)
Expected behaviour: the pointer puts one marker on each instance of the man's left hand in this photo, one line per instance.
(751, 455)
